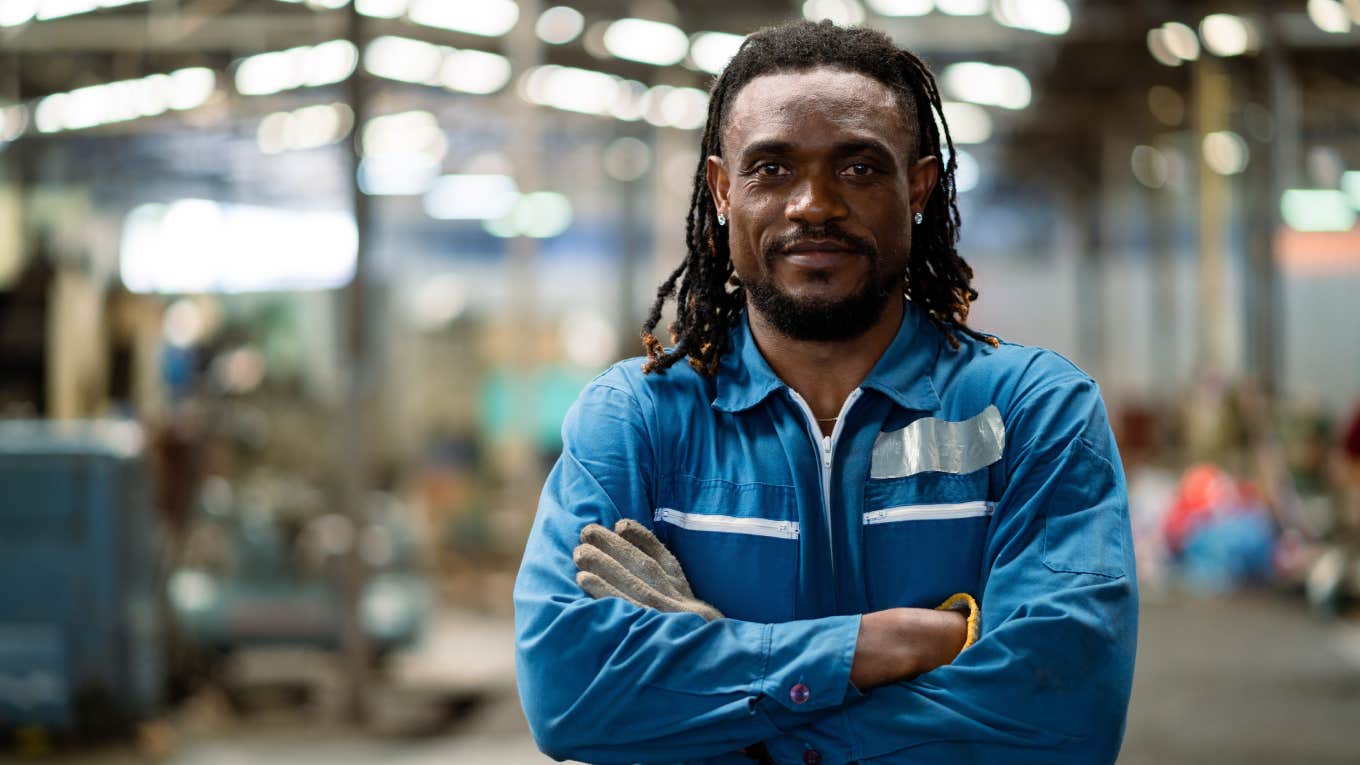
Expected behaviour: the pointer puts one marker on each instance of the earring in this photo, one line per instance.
(918, 217)
(722, 219)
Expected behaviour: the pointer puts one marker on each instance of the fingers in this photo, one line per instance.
(643, 539)
(636, 561)
(598, 588)
(592, 560)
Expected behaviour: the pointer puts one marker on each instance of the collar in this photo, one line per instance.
(902, 373)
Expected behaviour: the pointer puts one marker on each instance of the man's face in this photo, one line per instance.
(819, 183)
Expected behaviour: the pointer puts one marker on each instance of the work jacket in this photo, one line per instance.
(975, 469)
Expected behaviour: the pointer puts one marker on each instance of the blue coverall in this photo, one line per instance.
(990, 471)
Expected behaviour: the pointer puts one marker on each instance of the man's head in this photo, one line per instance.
(820, 148)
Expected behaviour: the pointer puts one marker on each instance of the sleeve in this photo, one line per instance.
(1049, 679)
(607, 681)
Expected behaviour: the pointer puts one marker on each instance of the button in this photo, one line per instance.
(812, 757)
(800, 694)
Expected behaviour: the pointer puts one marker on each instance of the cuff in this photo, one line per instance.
(807, 667)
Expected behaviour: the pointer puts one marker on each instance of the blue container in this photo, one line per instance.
(80, 613)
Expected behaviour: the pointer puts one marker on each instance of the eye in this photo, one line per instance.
(770, 169)
(860, 169)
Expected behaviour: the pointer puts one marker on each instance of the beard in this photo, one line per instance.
(822, 320)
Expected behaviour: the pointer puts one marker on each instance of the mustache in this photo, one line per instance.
(851, 242)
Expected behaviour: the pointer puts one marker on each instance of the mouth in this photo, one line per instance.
(818, 253)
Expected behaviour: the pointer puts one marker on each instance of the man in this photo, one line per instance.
(840, 455)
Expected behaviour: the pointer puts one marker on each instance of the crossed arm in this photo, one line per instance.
(604, 680)
(892, 645)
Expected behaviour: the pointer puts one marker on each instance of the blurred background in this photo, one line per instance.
(294, 296)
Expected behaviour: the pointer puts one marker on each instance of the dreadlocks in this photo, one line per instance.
(708, 302)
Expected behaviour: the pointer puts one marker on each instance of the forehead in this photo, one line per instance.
(805, 105)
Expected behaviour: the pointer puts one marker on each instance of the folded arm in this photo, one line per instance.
(608, 681)
(1048, 680)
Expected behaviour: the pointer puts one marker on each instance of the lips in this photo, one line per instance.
(818, 254)
(818, 246)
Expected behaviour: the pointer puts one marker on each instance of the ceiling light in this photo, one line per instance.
(1180, 40)
(650, 42)
(16, 12)
(541, 215)
(1050, 17)
(1156, 43)
(711, 51)
(413, 132)
(967, 123)
(986, 84)
(1225, 152)
(381, 9)
(967, 172)
(962, 7)
(1317, 210)
(572, 89)
(397, 175)
(1149, 166)
(559, 25)
(901, 7)
(475, 71)
(1225, 34)
(1329, 16)
(488, 18)
(471, 197)
(1350, 184)
(304, 66)
(403, 59)
(236, 248)
(845, 13)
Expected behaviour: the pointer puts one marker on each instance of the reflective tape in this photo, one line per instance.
(941, 446)
(929, 512)
(728, 524)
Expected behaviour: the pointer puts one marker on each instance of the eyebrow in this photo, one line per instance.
(777, 147)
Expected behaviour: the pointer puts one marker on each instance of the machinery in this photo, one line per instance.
(81, 633)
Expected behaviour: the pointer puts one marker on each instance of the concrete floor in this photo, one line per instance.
(1246, 680)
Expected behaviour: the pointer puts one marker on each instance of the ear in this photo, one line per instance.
(719, 183)
(924, 175)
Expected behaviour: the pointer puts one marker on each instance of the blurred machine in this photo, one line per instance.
(81, 644)
(263, 569)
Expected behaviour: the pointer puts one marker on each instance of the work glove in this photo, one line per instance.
(964, 603)
(631, 563)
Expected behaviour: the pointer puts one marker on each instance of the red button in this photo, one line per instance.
(812, 757)
(800, 694)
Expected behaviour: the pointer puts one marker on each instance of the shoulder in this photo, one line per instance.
(625, 391)
(678, 386)
(1011, 375)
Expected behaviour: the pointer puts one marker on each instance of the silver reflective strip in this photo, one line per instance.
(929, 512)
(940, 446)
(760, 527)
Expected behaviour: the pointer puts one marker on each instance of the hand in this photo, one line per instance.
(632, 564)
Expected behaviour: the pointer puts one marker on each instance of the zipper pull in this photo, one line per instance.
(826, 451)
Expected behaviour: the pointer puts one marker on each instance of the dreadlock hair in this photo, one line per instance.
(708, 302)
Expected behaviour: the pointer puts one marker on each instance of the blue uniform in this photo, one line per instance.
(990, 471)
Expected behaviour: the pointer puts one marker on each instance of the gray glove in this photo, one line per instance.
(632, 564)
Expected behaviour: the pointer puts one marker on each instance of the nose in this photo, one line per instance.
(815, 201)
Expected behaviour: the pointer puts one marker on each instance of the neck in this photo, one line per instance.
(824, 373)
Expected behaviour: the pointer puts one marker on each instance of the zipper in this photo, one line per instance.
(929, 512)
(728, 524)
(827, 449)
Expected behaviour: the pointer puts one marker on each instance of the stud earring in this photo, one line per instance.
(918, 217)
(722, 219)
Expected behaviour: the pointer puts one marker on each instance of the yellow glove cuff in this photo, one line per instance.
(966, 605)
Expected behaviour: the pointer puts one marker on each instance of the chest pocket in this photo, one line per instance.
(924, 537)
(737, 542)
